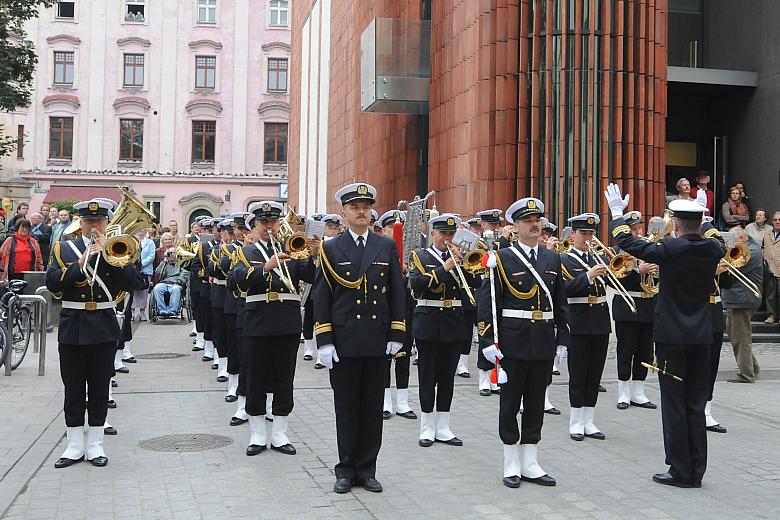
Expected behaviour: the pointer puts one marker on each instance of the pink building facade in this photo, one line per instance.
(184, 102)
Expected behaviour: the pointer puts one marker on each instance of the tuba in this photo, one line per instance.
(184, 257)
(122, 247)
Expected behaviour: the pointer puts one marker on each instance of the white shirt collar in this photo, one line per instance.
(355, 236)
(527, 250)
(85, 239)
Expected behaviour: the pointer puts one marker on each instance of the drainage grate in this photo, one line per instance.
(161, 355)
(186, 442)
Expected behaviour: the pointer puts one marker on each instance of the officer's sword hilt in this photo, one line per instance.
(663, 371)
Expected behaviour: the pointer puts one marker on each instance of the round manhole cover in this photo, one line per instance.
(186, 442)
(161, 355)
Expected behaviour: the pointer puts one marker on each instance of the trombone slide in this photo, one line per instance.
(461, 278)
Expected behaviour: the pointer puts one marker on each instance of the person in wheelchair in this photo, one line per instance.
(171, 281)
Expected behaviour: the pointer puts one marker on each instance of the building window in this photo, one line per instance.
(275, 143)
(63, 68)
(20, 142)
(205, 71)
(277, 74)
(279, 10)
(203, 137)
(207, 11)
(134, 70)
(66, 9)
(60, 137)
(155, 207)
(134, 11)
(131, 139)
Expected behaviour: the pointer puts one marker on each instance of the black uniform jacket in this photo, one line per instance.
(429, 281)
(359, 304)
(232, 294)
(585, 318)
(65, 279)
(215, 272)
(518, 289)
(722, 281)
(645, 304)
(687, 268)
(194, 267)
(271, 315)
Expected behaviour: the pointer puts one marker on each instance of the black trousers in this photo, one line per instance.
(86, 372)
(586, 357)
(218, 331)
(526, 382)
(469, 320)
(271, 365)
(243, 372)
(308, 319)
(230, 341)
(436, 363)
(203, 319)
(715, 347)
(634, 345)
(682, 408)
(358, 396)
(401, 371)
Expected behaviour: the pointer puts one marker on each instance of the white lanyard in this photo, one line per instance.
(262, 252)
(586, 266)
(89, 269)
(536, 275)
(437, 256)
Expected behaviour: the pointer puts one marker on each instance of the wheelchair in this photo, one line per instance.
(185, 308)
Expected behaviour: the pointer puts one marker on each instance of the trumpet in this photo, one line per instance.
(597, 252)
(648, 281)
(472, 261)
(461, 278)
(621, 264)
(294, 243)
(736, 257)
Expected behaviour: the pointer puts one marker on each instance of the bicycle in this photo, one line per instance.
(21, 327)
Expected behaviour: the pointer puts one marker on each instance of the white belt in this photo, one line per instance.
(527, 315)
(715, 299)
(592, 300)
(639, 294)
(273, 297)
(88, 306)
(217, 281)
(441, 304)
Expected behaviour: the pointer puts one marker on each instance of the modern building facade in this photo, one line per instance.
(184, 102)
(550, 98)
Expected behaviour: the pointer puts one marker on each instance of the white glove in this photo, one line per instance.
(328, 355)
(502, 378)
(392, 348)
(492, 353)
(491, 261)
(561, 351)
(615, 200)
(701, 198)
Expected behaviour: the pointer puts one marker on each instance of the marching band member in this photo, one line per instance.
(401, 362)
(683, 329)
(200, 265)
(634, 331)
(272, 325)
(475, 225)
(88, 330)
(531, 313)
(359, 309)
(218, 279)
(332, 225)
(590, 326)
(195, 284)
(437, 328)
(230, 308)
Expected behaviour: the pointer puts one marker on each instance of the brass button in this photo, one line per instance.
(83, 296)
(374, 302)
(348, 273)
(358, 302)
(358, 316)
(373, 316)
(381, 274)
(375, 287)
(441, 309)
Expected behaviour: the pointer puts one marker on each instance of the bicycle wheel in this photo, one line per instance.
(22, 332)
(3, 344)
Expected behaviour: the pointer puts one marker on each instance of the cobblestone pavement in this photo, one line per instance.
(596, 479)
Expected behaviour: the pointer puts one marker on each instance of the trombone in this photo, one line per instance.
(648, 281)
(283, 269)
(736, 257)
(612, 275)
(294, 243)
(461, 278)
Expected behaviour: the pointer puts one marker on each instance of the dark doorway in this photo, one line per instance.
(195, 214)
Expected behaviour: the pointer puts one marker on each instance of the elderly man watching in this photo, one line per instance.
(683, 191)
(172, 280)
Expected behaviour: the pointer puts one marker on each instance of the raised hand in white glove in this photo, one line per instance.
(492, 353)
(328, 355)
(617, 203)
(393, 347)
(490, 261)
(701, 198)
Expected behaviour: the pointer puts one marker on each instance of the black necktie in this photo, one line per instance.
(360, 243)
(445, 256)
(533, 258)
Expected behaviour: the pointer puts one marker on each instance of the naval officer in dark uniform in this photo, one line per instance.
(89, 288)
(682, 331)
(231, 306)
(194, 285)
(359, 312)
(531, 312)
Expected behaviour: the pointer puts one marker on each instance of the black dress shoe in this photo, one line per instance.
(287, 449)
(716, 428)
(696, 484)
(553, 411)
(414, 362)
(369, 484)
(498, 391)
(668, 480)
(99, 461)
(307, 357)
(622, 406)
(114, 384)
(602, 389)
(544, 480)
(484, 392)
(222, 379)
(577, 436)
(596, 435)
(215, 366)
(206, 358)
(64, 463)
(230, 398)
(255, 449)
(425, 443)
(465, 374)
(512, 482)
(556, 372)
(649, 405)
(197, 348)
(318, 366)
(130, 360)
(235, 421)
(112, 404)
(122, 370)
(452, 442)
(110, 430)
(386, 415)
(343, 485)
(193, 334)
(407, 415)
(269, 419)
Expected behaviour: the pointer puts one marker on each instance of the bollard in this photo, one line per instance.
(9, 334)
(40, 313)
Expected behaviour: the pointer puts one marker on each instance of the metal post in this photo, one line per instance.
(9, 334)
(41, 312)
